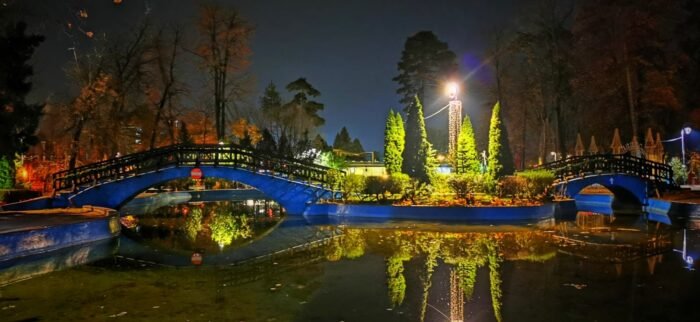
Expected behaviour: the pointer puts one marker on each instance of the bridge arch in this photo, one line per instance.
(292, 183)
(292, 195)
(631, 179)
(628, 191)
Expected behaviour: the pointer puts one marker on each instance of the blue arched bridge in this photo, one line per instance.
(631, 180)
(111, 183)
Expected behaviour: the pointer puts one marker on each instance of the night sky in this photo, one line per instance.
(347, 49)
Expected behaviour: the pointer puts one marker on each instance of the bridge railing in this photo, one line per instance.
(190, 155)
(580, 166)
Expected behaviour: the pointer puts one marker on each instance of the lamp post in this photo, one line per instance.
(684, 131)
(455, 118)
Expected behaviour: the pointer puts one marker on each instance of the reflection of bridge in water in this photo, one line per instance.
(596, 238)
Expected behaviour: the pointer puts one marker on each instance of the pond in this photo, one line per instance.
(257, 265)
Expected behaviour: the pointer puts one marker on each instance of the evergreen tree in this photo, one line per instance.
(271, 105)
(18, 119)
(356, 146)
(267, 143)
(426, 62)
(284, 148)
(500, 162)
(6, 175)
(303, 101)
(301, 148)
(343, 141)
(467, 158)
(319, 143)
(271, 101)
(394, 141)
(418, 155)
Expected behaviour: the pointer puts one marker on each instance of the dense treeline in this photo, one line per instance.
(150, 84)
(560, 68)
(594, 66)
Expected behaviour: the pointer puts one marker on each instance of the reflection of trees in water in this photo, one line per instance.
(193, 223)
(225, 228)
(465, 252)
(495, 278)
(430, 246)
(354, 244)
(396, 281)
(202, 226)
(350, 245)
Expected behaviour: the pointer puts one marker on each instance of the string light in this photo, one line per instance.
(454, 125)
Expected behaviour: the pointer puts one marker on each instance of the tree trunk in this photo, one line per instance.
(152, 143)
(159, 112)
(630, 96)
(75, 143)
(560, 128)
(543, 142)
(524, 136)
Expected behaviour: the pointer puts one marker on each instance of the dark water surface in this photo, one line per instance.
(259, 267)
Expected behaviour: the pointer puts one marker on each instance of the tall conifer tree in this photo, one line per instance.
(467, 158)
(426, 61)
(394, 142)
(500, 162)
(418, 154)
(343, 140)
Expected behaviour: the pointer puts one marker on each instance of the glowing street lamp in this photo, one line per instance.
(687, 131)
(684, 131)
(452, 90)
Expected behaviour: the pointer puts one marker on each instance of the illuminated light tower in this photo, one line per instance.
(455, 119)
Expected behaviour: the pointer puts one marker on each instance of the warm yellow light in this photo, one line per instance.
(24, 174)
(452, 90)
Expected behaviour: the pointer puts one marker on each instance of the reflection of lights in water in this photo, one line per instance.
(689, 261)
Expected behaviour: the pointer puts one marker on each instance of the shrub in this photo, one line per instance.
(398, 182)
(472, 182)
(461, 185)
(680, 174)
(417, 191)
(538, 182)
(335, 179)
(440, 183)
(353, 184)
(376, 186)
(512, 186)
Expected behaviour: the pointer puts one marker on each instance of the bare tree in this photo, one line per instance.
(163, 86)
(224, 52)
